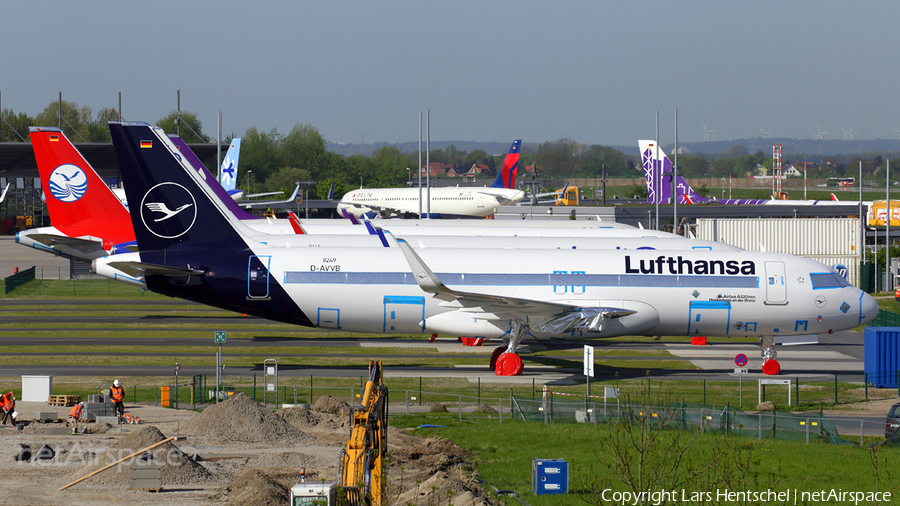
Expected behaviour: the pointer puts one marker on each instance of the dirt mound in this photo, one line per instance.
(423, 456)
(328, 404)
(313, 421)
(442, 489)
(240, 418)
(254, 486)
(438, 408)
(484, 408)
(176, 467)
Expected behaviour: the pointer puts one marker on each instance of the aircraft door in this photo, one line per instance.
(258, 277)
(709, 318)
(776, 290)
(403, 313)
(480, 200)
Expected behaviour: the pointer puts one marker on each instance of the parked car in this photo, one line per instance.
(892, 422)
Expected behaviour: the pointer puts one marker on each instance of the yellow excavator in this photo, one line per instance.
(362, 461)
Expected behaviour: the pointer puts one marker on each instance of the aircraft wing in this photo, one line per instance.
(250, 204)
(87, 247)
(140, 269)
(546, 316)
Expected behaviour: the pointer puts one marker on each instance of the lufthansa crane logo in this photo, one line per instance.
(68, 183)
(168, 210)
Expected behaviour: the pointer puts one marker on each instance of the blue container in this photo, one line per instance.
(882, 351)
(550, 476)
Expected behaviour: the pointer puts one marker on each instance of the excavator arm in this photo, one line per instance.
(361, 468)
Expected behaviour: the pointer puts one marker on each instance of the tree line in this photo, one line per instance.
(273, 161)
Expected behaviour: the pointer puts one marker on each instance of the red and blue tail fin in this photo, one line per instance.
(78, 200)
(506, 176)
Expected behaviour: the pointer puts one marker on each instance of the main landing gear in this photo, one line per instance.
(770, 366)
(504, 360)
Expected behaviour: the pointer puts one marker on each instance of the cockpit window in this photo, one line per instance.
(823, 280)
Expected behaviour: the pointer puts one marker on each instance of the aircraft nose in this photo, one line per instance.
(869, 308)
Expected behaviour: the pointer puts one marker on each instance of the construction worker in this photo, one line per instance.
(8, 405)
(117, 392)
(75, 416)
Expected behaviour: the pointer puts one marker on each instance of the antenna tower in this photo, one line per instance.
(776, 171)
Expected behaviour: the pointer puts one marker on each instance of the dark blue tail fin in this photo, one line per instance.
(170, 205)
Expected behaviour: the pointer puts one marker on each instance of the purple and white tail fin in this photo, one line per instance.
(658, 173)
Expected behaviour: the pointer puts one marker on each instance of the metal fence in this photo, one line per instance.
(546, 407)
(18, 279)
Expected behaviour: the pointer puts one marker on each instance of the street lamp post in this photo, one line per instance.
(723, 186)
(408, 177)
(248, 180)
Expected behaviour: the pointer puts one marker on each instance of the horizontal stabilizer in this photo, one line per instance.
(140, 269)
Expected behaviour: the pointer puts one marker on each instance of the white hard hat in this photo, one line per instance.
(116, 383)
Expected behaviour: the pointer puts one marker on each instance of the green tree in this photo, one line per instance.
(593, 160)
(477, 156)
(692, 166)
(75, 119)
(18, 126)
(389, 166)
(259, 154)
(304, 147)
(285, 180)
(558, 157)
(191, 128)
(736, 151)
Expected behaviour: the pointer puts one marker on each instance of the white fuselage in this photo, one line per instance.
(684, 292)
(446, 202)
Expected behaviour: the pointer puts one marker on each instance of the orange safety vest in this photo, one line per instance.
(118, 393)
(76, 411)
(6, 401)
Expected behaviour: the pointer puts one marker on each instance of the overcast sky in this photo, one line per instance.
(593, 71)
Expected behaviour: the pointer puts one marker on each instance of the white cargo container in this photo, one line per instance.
(832, 241)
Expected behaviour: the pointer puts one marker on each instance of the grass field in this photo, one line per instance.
(503, 454)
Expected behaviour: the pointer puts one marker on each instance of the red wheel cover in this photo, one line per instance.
(509, 364)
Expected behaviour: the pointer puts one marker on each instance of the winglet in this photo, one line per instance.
(833, 197)
(295, 223)
(331, 192)
(426, 279)
(3, 197)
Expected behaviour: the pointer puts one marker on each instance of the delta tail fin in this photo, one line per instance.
(658, 173)
(506, 176)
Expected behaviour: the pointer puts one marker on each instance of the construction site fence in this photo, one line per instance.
(18, 279)
(803, 426)
(792, 393)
